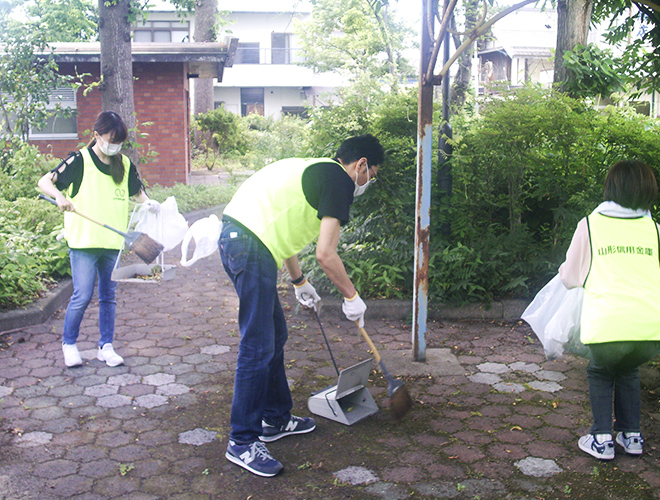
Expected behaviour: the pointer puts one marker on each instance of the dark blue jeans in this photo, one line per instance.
(88, 267)
(261, 390)
(613, 371)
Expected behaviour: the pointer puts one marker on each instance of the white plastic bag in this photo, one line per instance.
(167, 226)
(206, 233)
(554, 315)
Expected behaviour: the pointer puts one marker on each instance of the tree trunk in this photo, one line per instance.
(205, 18)
(461, 84)
(117, 66)
(573, 18)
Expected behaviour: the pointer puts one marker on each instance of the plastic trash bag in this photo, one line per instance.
(206, 233)
(554, 315)
(167, 226)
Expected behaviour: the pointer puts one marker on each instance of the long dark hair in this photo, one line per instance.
(110, 122)
(631, 184)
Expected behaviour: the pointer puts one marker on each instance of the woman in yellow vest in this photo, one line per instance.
(97, 181)
(614, 255)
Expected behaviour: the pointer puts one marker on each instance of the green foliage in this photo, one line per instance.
(30, 255)
(21, 166)
(271, 140)
(594, 72)
(225, 129)
(65, 20)
(524, 173)
(354, 36)
(636, 30)
(28, 74)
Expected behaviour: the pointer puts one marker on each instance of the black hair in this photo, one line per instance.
(109, 122)
(631, 184)
(361, 146)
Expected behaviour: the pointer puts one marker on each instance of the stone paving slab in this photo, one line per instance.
(492, 418)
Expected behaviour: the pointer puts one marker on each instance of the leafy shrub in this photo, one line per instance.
(226, 130)
(30, 254)
(22, 165)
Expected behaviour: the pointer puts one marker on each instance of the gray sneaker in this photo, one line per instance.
(295, 425)
(631, 442)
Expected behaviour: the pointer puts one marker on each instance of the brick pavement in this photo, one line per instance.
(504, 426)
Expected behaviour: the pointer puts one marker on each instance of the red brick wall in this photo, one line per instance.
(161, 96)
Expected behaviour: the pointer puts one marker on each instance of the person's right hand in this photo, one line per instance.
(354, 309)
(64, 203)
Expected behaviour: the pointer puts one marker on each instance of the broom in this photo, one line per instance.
(400, 400)
(143, 246)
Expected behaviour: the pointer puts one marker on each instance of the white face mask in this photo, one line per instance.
(359, 190)
(107, 148)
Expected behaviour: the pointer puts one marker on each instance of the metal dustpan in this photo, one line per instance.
(131, 270)
(349, 401)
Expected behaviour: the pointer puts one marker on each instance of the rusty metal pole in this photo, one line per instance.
(423, 197)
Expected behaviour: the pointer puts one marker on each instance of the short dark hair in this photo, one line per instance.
(631, 184)
(360, 146)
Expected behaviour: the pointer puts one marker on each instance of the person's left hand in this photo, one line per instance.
(152, 205)
(306, 294)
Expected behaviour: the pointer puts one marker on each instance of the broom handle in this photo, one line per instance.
(51, 200)
(371, 344)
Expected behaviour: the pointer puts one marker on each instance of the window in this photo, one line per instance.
(252, 101)
(299, 111)
(59, 125)
(247, 53)
(162, 31)
(281, 48)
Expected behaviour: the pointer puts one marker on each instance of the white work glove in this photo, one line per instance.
(152, 205)
(354, 309)
(306, 294)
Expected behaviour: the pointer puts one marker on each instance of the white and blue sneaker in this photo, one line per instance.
(295, 425)
(631, 442)
(600, 446)
(253, 457)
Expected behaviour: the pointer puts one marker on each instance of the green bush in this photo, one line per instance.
(22, 165)
(229, 138)
(31, 257)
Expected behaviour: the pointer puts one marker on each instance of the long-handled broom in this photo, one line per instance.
(143, 246)
(400, 400)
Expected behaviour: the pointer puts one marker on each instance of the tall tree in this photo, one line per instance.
(358, 37)
(117, 64)
(573, 19)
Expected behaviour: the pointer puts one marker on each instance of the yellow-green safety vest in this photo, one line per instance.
(622, 289)
(272, 205)
(101, 199)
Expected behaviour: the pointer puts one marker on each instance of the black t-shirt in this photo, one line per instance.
(328, 189)
(73, 173)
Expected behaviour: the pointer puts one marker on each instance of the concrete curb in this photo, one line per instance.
(38, 311)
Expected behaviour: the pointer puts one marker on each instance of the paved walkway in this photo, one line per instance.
(492, 418)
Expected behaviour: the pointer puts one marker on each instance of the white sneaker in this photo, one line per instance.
(108, 354)
(632, 442)
(71, 355)
(600, 446)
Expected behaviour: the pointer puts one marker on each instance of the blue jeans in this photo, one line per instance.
(613, 370)
(261, 390)
(86, 265)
